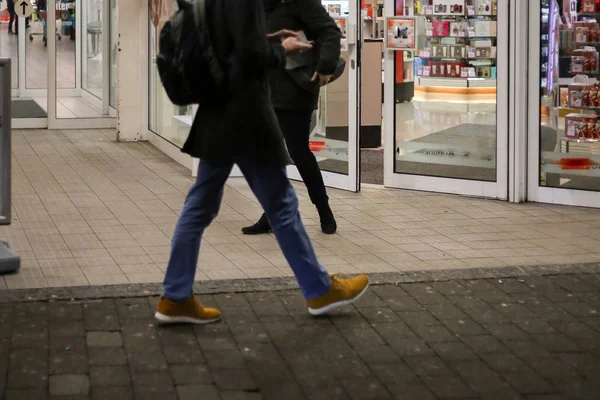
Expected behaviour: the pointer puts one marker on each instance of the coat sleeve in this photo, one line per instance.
(327, 34)
(248, 30)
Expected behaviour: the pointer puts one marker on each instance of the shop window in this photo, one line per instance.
(570, 105)
(446, 124)
(169, 121)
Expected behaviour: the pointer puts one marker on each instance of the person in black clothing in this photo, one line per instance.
(10, 5)
(294, 105)
(237, 125)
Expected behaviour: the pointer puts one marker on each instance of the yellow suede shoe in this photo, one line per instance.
(189, 311)
(341, 293)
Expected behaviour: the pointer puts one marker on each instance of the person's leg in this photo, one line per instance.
(278, 198)
(295, 125)
(11, 12)
(200, 208)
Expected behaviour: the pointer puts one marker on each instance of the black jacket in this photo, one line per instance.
(239, 123)
(312, 18)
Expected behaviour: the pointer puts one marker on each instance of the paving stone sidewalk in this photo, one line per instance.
(534, 338)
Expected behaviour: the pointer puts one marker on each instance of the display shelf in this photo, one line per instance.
(470, 17)
(455, 82)
(579, 146)
(457, 58)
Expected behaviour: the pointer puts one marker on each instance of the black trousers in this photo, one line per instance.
(13, 18)
(295, 125)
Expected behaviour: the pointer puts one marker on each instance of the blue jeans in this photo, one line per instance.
(278, 199)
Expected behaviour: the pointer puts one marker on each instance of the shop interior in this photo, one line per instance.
(569, 105)
(85, 63)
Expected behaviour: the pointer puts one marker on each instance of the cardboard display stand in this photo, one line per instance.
(9, 260)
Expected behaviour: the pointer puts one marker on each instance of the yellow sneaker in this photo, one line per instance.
(190, 311)
(341, 293)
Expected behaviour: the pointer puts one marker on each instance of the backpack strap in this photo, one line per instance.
(200, 17)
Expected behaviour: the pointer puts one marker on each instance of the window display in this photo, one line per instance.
(570, 104)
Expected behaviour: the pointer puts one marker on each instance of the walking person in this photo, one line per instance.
(10, 5)
(294, 104)
(239, 126)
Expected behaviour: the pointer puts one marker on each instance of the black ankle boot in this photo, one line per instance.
(328, 224)
(262, 226)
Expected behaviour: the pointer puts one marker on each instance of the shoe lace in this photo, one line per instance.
(338, 282)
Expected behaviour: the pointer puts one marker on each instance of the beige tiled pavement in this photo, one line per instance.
(89, 211)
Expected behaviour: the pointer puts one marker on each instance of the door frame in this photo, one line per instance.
(497, 189)
(69, 123)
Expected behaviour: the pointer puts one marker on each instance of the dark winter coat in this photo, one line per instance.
(239, 123)
(312, 18)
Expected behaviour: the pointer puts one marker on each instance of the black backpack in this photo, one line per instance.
(187, 64)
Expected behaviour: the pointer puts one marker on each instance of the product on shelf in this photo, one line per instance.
(471, 8)
(583, 96)
(582, 126)
(584, 62)
(590, 6)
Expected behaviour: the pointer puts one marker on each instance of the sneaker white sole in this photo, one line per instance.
(326, 309)
(165, 319)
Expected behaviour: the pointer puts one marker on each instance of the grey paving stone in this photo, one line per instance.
(68, 362)
(187, 374)
(454, 351)
(69, 385)
(26, 394)
(242, 396)
(449, 387)
(103, 356)
(113, 375)
(234, 380)
(365, 389)
(104, 339)
(429, 366)
(197, 391)
(183, 355)
(112, 393)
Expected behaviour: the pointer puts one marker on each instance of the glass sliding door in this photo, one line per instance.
(78, 38)
(452, 135)
(564, 127)
(334, 137)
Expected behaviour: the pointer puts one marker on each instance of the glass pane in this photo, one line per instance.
(330, 126)
(36, 57)
(113, 53)
(164, 118)
(446, 96)
(569, 106)
(92, 47)
(9, 44)
(72, 102)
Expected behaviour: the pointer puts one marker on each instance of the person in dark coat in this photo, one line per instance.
(294, 105)
(238, 126)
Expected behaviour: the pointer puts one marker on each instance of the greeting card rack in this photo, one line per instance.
(459, 49)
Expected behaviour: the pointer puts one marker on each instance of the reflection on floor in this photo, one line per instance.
(89, 211)
(75, 107)
(446, 139)
(36, 72)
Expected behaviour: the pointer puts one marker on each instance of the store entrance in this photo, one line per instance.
(62, 61)
(452, 135)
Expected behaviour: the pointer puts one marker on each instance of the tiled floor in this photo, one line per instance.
(90, 211)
